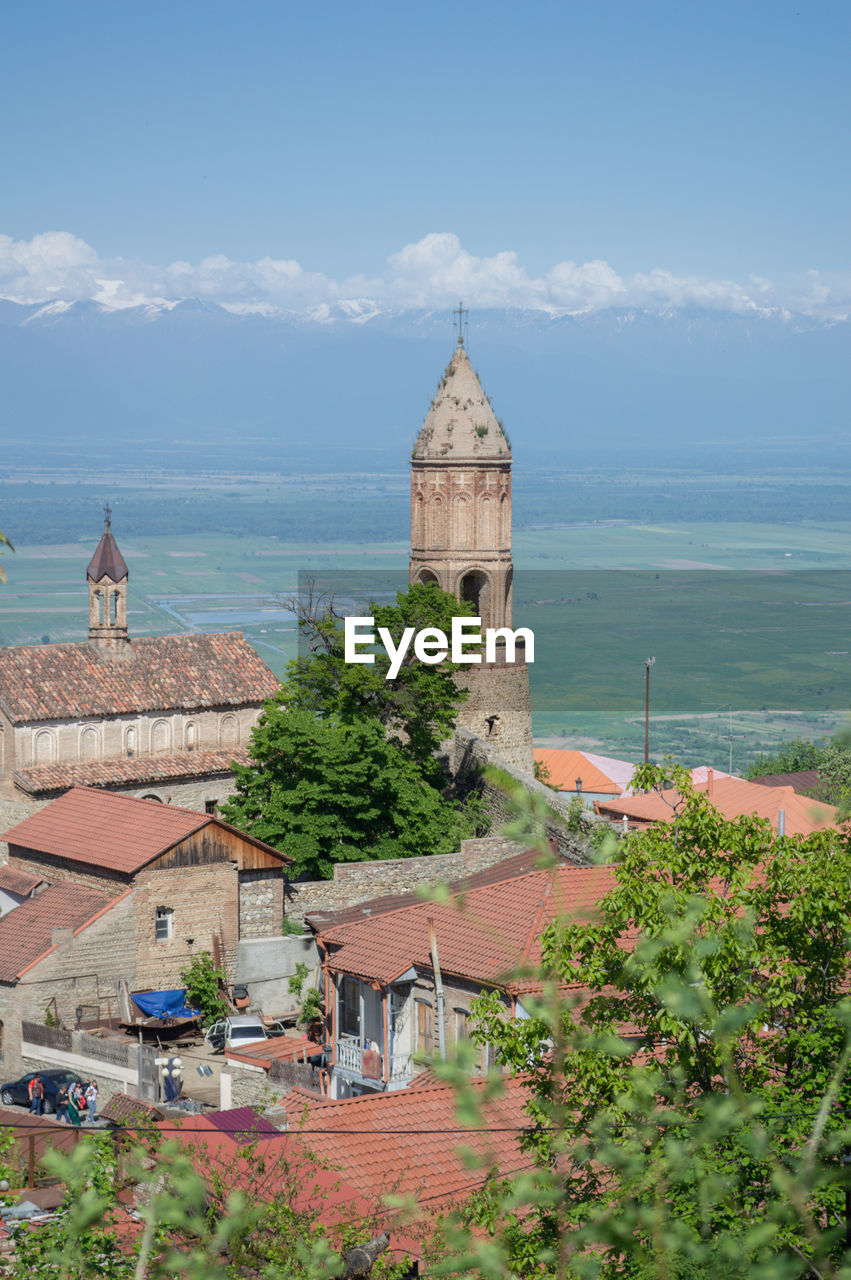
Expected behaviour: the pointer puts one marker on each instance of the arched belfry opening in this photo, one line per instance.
(475, 588)
(107, 577)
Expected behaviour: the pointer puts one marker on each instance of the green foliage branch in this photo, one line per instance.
(205, 985)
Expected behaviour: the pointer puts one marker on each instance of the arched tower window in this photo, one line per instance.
(89, 743)
(45, 747)
(427, 575)
(130, 741)
(191, 736)
(160, 736)
(436, 522)
(504, 521)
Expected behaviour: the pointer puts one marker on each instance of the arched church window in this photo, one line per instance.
(89, 744)
(160, 736)
(113, 607)
(229, 731)
(45, 747)
(190, 736)
(130, 741)
(426, 575)
(99, 607)
(504, 521)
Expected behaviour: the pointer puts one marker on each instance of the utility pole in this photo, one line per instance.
(648, 663)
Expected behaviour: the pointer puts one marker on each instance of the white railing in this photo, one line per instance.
(350, 1054)
(350, 1058)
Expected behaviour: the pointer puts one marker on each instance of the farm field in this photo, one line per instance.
(747, 609)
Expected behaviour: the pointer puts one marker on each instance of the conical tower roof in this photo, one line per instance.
(461, 425)
(107, 561)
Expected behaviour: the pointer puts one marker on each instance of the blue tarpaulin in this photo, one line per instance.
(164, 1004)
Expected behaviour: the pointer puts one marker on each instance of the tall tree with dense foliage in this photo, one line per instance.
(344, 763)
(694, 1092)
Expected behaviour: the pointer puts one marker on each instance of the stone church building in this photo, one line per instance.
(461, 539)
(159, 717)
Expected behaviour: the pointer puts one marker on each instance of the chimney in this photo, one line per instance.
(709, 777)
(781, 822)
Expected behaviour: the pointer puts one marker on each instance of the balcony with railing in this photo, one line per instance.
(358, 1060)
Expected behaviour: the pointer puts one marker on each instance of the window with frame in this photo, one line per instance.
(350, 1007)
(163, 924)
(462, 1024)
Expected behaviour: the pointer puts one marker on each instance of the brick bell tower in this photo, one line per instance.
(461, 539)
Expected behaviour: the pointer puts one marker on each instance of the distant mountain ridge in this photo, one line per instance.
(605, 383)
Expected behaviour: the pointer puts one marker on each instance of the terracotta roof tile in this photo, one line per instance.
(483, 933)
(801, 780)
(117, 832)
(20, 882)
(732, 797)
(124, 1109)
(408, 1142)
(47, 778)
(59, 681)
(25, 933)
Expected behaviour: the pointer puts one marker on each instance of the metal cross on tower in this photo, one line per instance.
(459, 320)
(107, 515)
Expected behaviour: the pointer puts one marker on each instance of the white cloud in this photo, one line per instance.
(58, 267)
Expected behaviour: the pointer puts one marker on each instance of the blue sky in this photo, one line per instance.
(708, 140)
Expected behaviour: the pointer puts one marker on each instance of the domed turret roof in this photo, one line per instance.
(461, 425)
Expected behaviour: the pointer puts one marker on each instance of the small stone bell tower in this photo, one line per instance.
(107, 576)
(461, 539)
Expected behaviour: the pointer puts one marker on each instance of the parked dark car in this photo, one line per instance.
(17, 1093)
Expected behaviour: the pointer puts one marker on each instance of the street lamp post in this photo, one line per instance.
(648, 663)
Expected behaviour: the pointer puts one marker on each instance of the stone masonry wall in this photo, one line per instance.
(85, 969)
(261, 903)
(498, 709)
(355, 882)
(204, 901)
(471, 755)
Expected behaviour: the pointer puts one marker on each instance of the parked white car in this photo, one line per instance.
(235, 1033)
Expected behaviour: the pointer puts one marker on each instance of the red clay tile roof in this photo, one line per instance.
(46, 778)
(276, 1049)
(124, 1109)
(241, 1124)
(408, 1141)
(107, 561)
(162, 673)
(732, 797)
(484, 933)
(114, 831)
(598, 773)
(20, 882)
(25, 933)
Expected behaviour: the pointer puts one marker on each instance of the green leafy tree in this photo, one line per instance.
(326, 791)
(419, 704)
(688, 1100)
(205, 987)
(834, 774)
(796, 754)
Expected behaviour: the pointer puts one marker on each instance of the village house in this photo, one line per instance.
(401, 973)
(134, 890)
(160, 717)
(788, 812)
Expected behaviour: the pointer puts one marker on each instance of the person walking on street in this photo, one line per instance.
(92, 1099)
(36, 1091)
(62, 1104)
(76, 1103)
